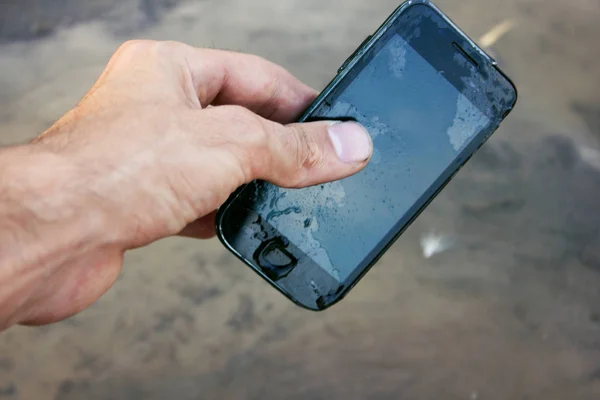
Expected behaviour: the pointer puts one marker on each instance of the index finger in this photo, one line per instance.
(227, 78)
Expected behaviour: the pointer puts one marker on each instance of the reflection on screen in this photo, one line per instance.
(419, 123)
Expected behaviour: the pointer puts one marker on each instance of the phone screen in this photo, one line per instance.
(424, 110)
(416, 137)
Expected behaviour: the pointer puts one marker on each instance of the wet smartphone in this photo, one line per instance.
(430, 98)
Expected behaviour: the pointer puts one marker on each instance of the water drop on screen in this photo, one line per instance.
(336, 274)
(315, 288)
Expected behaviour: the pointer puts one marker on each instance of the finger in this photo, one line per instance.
(228, 78)
(313, 153)
(203, 228)
(295, 155)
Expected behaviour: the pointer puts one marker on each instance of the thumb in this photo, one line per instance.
(312, 153)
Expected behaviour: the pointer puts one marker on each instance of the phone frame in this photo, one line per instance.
(343, 71)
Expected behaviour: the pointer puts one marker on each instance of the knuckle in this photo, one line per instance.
(240, 113)
(169, 47)
(150, 47)
(307, 153)
(251, 122)
(258, 60)
(247, 133)
(254, 143)
(272, 100)
(134, 46)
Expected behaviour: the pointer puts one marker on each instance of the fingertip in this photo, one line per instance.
(351, 141)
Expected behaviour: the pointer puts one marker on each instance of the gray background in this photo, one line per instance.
(511, 312)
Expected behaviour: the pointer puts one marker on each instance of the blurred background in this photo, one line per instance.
(510, 310)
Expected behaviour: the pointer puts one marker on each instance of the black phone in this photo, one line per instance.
(429, 97)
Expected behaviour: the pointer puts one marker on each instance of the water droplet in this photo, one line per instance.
(314, 287)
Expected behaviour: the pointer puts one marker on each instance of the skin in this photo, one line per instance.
(161, 140)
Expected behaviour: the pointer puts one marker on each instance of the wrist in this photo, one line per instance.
(41, 194)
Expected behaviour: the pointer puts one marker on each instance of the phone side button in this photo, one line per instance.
(345, 64)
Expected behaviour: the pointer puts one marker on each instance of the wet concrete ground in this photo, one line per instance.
(511, 312)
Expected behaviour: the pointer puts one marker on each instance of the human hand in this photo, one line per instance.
(166, 134)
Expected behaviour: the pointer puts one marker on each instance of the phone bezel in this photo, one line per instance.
(343, 72)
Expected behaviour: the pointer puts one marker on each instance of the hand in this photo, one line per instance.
(157, 145)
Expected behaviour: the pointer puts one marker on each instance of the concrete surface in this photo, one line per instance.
(511, 312)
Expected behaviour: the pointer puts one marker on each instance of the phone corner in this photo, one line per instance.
(220, 231)
(411, 3)
(219, 226)
(305, 306)
(220, 217)
(315, 308)
(516, 92)
(512, 86)
(318, 305)
(428, 3)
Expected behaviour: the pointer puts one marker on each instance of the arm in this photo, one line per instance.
(141, 158)
(47, 232)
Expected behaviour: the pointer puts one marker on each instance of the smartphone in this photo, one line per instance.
(429, 97)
